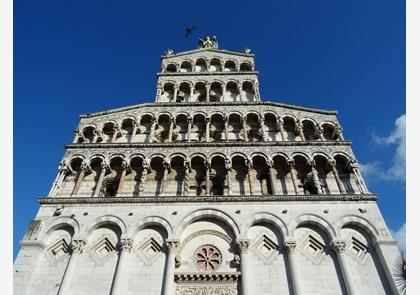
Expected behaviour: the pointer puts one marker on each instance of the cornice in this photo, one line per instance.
(211, 199)
(240, 73)
(206, 144)
(178, 104)
(207, 49)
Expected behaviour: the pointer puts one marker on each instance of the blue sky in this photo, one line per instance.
(73, 57)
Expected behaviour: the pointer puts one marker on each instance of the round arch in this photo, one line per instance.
(268, 218)
(314, 220)
(207, 213)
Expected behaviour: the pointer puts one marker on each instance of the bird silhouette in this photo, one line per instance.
(189, 30)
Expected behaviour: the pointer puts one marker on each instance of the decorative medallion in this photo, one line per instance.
(207, 258)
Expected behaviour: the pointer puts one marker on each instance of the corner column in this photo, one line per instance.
(126, 244)
(62, 172)
(77, 248)
(243, 245)
(290, 247)
(169, 284)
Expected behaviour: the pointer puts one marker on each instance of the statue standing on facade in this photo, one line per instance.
(208, 42)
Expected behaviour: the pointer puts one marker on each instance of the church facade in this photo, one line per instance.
(208, 190)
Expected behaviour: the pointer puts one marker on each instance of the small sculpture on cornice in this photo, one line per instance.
(169, 52)
(247, 50)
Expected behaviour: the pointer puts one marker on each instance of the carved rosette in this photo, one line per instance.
(78, 246)
(290, 246)
(339, 246)
(207, 258)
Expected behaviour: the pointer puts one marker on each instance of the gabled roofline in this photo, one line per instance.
(208, 49)
(154, 104)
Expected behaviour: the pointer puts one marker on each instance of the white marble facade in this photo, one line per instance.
(208, 190)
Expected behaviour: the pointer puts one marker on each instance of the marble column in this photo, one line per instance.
(169, 283)
(223, 92)
(273, 178)
(143, 177)
(339, 247)
(166, 170)
(290, 247)
(133, 133)
(152, 130)
(280, 128)
(337, 177)
(228, 166)
(80, 176)
(114, 135)
(171, 129)
(250, 176)
(207, 92)
(319, 132)
(226, 122)
(257, 92)
(77, 248)
(299, 129)
(186, 179)
(96, 133)
(100, 179)
(189, 120)
(124, 167)
(208, 183)
(243, 245)
(191, 94)
(241, 94)
(207, 129)
(262, 128)
(317, 182)
(293, 174)
(175, 93)
(126, 244)
(244, 129)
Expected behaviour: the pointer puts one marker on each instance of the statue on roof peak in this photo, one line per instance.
(208, 42)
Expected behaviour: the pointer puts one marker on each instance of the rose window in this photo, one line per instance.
(208, 258)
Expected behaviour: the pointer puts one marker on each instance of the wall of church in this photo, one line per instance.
(268, 229)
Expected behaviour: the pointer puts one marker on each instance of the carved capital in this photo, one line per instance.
(228, 164)
(78, 246)
(126, 244)
(173, 246)
(290, 246)
(339, 246)
(243, 245)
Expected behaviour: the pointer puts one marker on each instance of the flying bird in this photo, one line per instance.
(189, 30)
